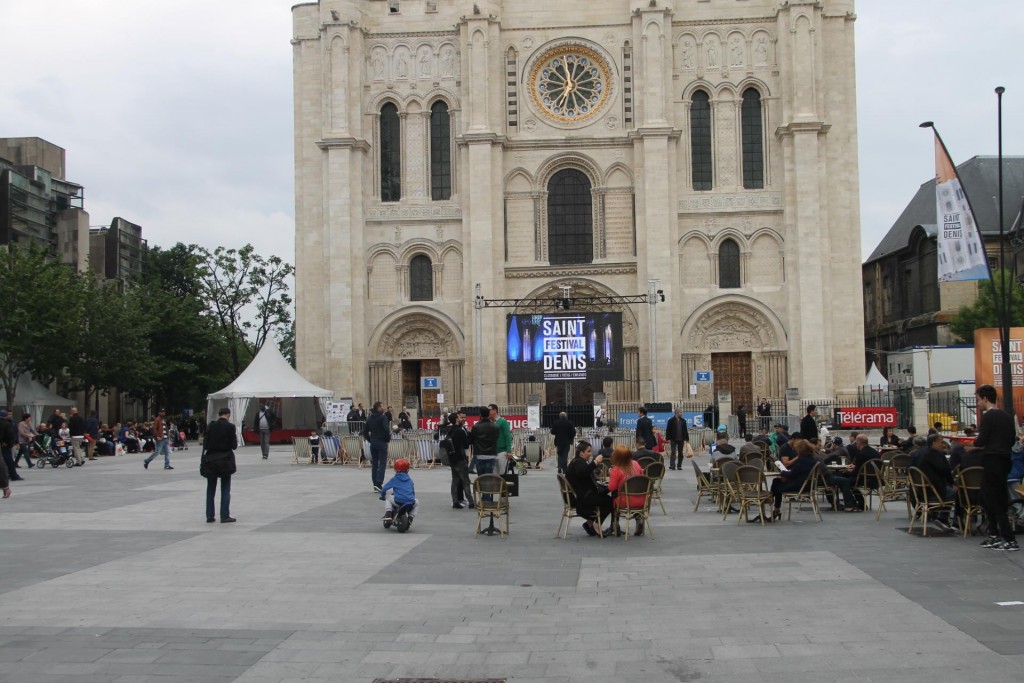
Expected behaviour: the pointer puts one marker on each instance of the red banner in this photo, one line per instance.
(516, 421)
(866, 418)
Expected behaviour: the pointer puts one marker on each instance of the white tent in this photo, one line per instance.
(268, 375)
(35, 399)
(875, 380)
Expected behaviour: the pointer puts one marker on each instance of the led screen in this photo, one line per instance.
(560, 347)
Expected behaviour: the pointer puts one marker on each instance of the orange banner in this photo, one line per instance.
(988, 358)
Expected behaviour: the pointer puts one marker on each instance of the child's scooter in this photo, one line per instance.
(401, 519)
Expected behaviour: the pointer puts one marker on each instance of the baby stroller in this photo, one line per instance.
(58, 453)
(178, 441)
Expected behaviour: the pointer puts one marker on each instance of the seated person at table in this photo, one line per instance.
(908, 443)
(779, 436)
(793, 479)
(835, 452)
(842, 483)
(1016, 461)
(624, 467)
(932, 461)
(606, 447)
(787, 452)
(643, 452)
(722, 447)
(591, 498)
(749, 448)
(889, 438)
(762, 436)
(961, 456)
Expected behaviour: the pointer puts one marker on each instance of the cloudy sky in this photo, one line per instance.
(177, 115)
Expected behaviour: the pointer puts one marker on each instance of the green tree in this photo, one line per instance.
(112, 351)
(286, 342)
(190, 354)
(247, 295)
(41, 306)
(982, 313)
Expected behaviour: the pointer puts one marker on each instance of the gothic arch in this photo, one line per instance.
(416, 332)
(383, 98)
(375, 250)
(520, 178)
(756, 83)
(733, 322)
(774, 234)
(616, 170)
(694, 234)
(698, 84)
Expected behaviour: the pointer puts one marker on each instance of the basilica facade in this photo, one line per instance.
(450, 150)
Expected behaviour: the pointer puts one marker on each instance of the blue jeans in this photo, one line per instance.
(225, 496)
(378, 461)
(162, 446)
(486, 465)
(265, 443)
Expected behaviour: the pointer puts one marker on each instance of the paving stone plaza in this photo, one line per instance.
(110, 574)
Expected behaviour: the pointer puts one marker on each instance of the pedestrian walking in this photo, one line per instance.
(264, 422)
(162, 442)
(8, 437)
(996, 436)
(378, 432)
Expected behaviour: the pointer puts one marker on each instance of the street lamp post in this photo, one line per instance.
(1006, 284)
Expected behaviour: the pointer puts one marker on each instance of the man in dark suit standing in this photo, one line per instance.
(378, 432)
(677, 434)
(809, 424)
(996, 436)
(645, 429)
(564, 433)
(218, 462)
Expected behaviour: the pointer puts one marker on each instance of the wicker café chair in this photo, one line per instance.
(750, 488)
(808, 493)
(704, 485)
(825, 490)
(492, 486)
(645, 461)
(868, 479)
(656, 471)
(569, 510)
(756, 462)
(892, 482)
(925, 499)
(968, 495)
(637, 485)
(727, 494)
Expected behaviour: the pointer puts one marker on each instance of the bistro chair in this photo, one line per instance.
(569, 510)
(704, 485)
(825, 490)
(892, 482)
(492, 487)
(868, 479)
(808, 493)
(656, 471)
(925, 498)
(645, 461)
(727, 487)
(968, 495)
(637, 485)
(750, 488)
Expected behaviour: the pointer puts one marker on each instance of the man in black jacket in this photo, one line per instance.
(931, 460)
(564, 433)
(677, 434)
(218, 462)
(645, 429)
(809, 425)
(996, 436)
(76, 430)
(456, 439)
(378, 432)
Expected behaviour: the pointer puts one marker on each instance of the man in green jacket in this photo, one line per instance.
(504, 438)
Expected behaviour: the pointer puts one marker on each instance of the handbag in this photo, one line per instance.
(511, 479)
(687, 449)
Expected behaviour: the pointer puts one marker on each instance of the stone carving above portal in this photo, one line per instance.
(384, 213)
(417, 335)
(732, 326)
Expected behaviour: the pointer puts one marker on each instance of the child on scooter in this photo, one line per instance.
(399, 490)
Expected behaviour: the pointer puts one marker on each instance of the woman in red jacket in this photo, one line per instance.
(624, 467)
